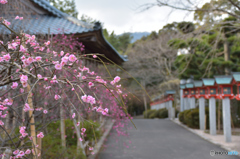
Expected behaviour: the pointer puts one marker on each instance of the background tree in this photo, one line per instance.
(66, 6)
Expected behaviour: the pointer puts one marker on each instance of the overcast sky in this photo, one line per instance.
(124, 16)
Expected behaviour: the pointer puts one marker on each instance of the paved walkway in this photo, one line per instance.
(159, 139)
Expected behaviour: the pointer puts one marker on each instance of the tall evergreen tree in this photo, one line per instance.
(66, 6)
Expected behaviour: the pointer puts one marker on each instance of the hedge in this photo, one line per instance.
(153, 113)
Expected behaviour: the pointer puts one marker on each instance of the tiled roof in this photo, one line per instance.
(223, 79)
(57, 21)
(236, 76)
(41, 23)
(189, 85)
(208, 81)
(170, 92)
(198, 83)
(46, 5)
(182, 86)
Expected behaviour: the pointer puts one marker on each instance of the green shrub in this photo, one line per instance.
(52, 140)
(181, 116)
(148, 113)
(192, 118)
(153, 114)
(163, 113)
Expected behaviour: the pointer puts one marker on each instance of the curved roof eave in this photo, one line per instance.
(117, 53)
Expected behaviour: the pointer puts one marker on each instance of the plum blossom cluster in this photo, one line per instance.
(27, 108)
(42, 69)
(20, 154)
(115, 80)
(88, 99)
(3, 1)
(22, 132)
(40, 135)
(23, 80)
(3, 107)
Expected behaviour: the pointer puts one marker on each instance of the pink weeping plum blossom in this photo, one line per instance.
(57, 97)
(14, 85)
(40, 135)
(73, 116)
(72, 58)
(3, 1)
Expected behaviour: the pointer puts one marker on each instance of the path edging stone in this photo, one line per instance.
(98, 146)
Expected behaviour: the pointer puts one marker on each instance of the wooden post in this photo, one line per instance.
(32, 122)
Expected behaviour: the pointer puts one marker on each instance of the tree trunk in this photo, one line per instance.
(144, 96)
(32, 122)
(62, 123)
(226, 55)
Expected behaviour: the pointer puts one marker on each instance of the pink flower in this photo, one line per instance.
(6, 22)
(39, 76)
(105, 111)
(40, 135)
(14, 85)
(24, 78)
(38, 58)
(72, 58)
(7, 57)
(73, 116)
(47, 43)
(27, 151)
(20, 18)
(21, 90)
(30, 60)
(90, 148)
(45, 111)
(117, 79)
(83, 77)
(27, 108)
(62, 53)
(83, 129)
(3, 1)
(80, 139)
(22, 49)
(65, 59)
(57, 97)
(24, 84)
(58, 66)
(112, 82)
(15, 152)
(1, 123)
(78, 123)
(94, 56)
(90, 84)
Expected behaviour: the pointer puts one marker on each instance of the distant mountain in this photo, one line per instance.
(138, 35)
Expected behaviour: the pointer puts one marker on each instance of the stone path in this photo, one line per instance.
(159, 139)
